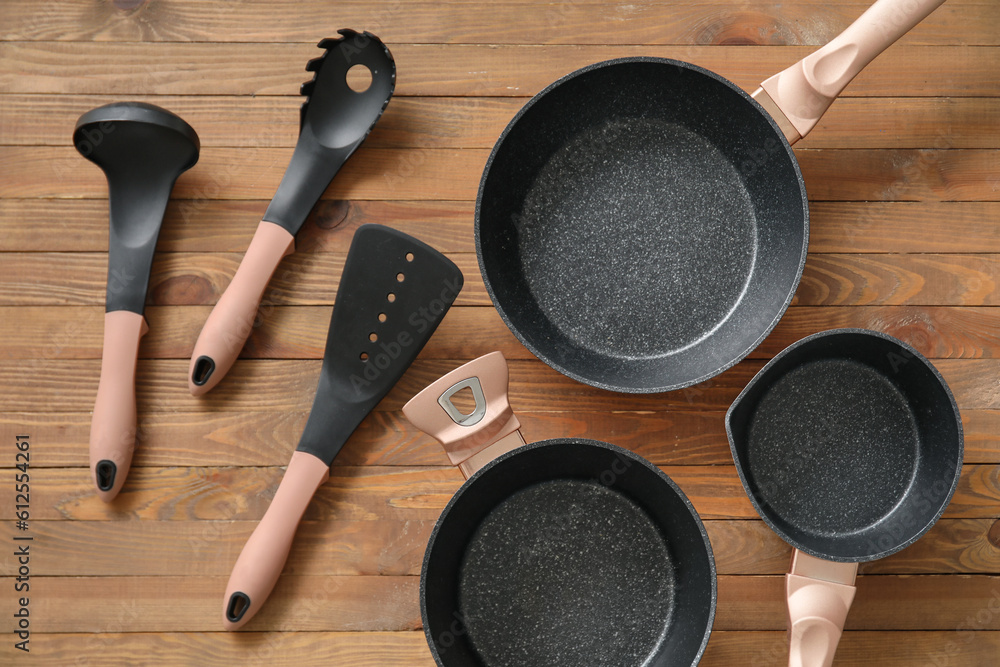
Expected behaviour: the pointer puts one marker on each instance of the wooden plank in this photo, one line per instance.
(210, 225)
(299, 332)
(375, 649)
(506, 23)
(376, 492)
(279, 649)
(145, 68)
(265, 437)
(311, 279)
(454, 174)
(476, 122)
(266, 384)
(159, 604)
(396, 548)
(861, 649)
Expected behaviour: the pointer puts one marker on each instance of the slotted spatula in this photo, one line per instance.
(335, 119)
(394, 292)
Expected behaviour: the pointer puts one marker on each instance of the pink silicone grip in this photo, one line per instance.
(231, 321)
(819, 594)
(804, 91)
(260, 563)
(112, 428)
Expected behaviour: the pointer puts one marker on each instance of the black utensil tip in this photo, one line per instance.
(105, 471)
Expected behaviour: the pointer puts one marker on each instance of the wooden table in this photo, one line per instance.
(904, 174)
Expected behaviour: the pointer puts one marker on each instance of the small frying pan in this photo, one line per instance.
(561, 553)
(142, 150)
(642, 223)
(849, 444)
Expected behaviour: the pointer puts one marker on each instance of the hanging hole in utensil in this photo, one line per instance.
(400, 277)
(373, 336)
(359, 78)
(382, 317)
(390, 297)
(238, 605)
(203, 369)
(105, 471)
(409, 257)
(364, 356)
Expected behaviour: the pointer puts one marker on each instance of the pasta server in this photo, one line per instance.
(394, 292)
(335, 119)
(142, 149)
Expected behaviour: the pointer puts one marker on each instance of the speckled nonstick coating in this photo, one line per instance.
(568, 553)
(849, 444)
(641, 224)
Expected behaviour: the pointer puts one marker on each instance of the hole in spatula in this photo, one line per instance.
(382, 317)
(390, 297)
(400, 277)
(373, 336)
(409, 257)
(364, 356)
(203, 369)
(464, 401)
(359, 78)
(105, 471)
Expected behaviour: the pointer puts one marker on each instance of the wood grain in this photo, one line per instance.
(387, 603)
(266, 384)
(368, 493)
(396, 547)
(476, 122)
(299, 332)
(376, 649)
(214, 225)
(386, 438)
(146, 68)
(713, 22)
(310, 279)
(453, 174)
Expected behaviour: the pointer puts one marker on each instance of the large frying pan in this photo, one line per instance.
(642, 223)
(561, 553)
(849, 444)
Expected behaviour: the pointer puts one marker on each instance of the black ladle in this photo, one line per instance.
(142, 149)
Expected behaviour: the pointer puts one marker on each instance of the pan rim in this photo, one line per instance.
(587, 442)
(647, 388)
(946, 500)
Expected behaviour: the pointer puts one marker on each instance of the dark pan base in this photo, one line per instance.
(566, 573)
(835, 442)
(624, 231)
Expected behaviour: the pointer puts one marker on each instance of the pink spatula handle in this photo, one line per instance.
(804, 91)
(263, 557)
(112, 428)
(231, 321)
(819, 594)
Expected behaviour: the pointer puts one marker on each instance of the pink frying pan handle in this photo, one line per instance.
(231, 321)
(112, 429)
(264, 555)
(474, 439)
(804, 91)
(819, 595)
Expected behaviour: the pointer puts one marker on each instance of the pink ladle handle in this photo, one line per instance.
(804, 91)
(470, 440)
(819, 595)
(263, 557)
(112, 428)
(231, 321)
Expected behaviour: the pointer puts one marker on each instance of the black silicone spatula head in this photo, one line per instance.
(393, 293)
(142, 150)
(335, 119)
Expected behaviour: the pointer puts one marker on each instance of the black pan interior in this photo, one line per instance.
(849, 444)
(568, 553)
(641, 225)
